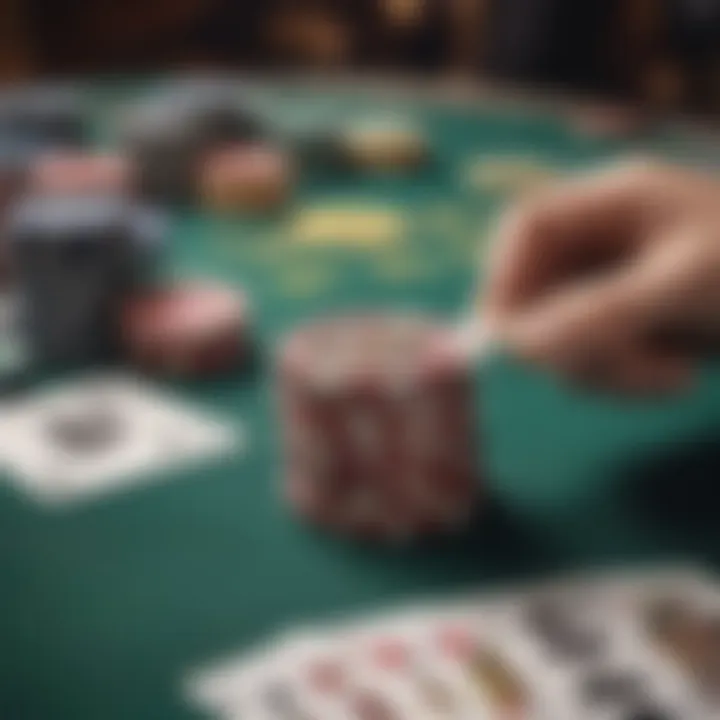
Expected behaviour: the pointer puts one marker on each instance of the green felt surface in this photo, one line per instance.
(104, 606)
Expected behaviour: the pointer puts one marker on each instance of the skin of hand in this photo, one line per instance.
(611, 279)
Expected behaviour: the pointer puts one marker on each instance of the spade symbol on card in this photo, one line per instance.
(283, 704)
(90, 436)
(91, 429)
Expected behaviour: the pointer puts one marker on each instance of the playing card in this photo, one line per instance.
(242, 685)
(586, 646)
(598, 647)
(391, 666)
(98, 434)
(220, 690)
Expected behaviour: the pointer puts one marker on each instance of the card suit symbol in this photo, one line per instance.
(86, 430)
(612, 686)
(457, 642)
(327, 676)
(500, 683)
(369, 706)
(391, 654)
(282, 702)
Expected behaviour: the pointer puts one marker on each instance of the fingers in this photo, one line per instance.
(675, 283)
(604, 332)
(592, 338)
(560, 234)
(582, 276)
(647, 372)
(587, 225)
(577, 332)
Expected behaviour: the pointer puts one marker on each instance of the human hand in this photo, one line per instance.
(607, 278)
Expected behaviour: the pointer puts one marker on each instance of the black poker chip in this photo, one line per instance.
(53, 116)
(575, 645)
(322, 151)
(217, 107)
(15, 359)
(168, 137)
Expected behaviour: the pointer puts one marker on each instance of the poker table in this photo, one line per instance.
(106, 604)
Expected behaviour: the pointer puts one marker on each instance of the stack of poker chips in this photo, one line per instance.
(74, 259)
(376, 414)
(83, 231)
(167, 139)
(33, 121)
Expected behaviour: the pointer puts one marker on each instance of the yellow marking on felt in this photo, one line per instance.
(305, 282)
(253, 246)
(270, 248)
(507, 174)
(397, 266)
(349, 226)
(445, 220)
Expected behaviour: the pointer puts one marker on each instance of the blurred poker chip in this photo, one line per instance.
(252, 178)
(378, 430)
(69, 172)
(15, 360)
(191, 329)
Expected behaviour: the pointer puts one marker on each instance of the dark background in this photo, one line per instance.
(660, 52)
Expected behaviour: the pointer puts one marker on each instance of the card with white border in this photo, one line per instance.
(88, 437)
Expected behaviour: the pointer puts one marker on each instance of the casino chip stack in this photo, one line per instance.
(250, 178)
(53, 116)
(74, 259)
(15, 158)
(189, 330)
(377, 424)
(168, 139)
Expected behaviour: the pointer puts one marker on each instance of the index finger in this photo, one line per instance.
(561, 234)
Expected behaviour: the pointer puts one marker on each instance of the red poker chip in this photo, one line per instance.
(381, 395)
(192, 329)
(75, 172)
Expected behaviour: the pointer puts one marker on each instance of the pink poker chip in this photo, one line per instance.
(75, 172)
(190, 329)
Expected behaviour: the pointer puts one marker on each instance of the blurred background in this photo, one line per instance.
(662, 53)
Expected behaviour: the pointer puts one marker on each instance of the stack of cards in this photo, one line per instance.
(640, 646)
